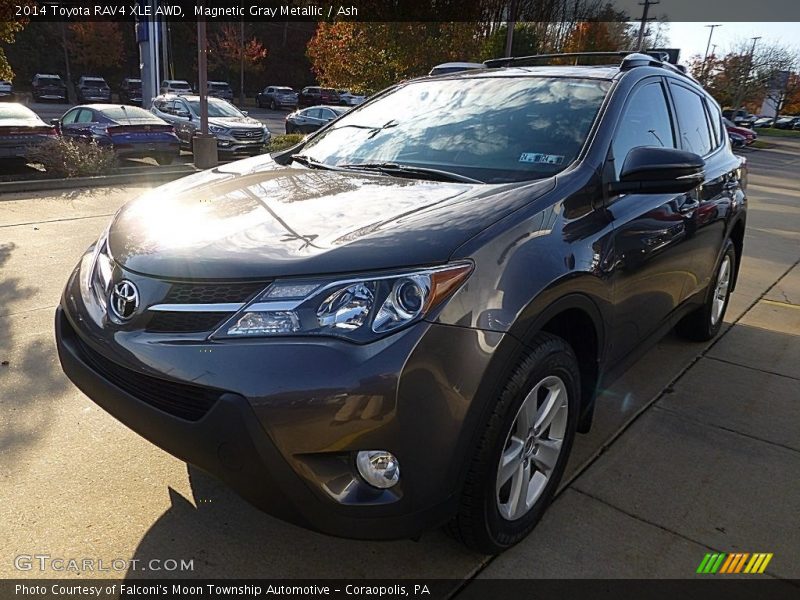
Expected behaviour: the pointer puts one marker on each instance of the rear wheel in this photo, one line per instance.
(272, 104)
(522, 453)
(164, 159)
(705, 322)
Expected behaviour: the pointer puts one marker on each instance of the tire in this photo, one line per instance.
(488, 520)
(704, 323)
(164, 159)
(289, 129)
(272, 104)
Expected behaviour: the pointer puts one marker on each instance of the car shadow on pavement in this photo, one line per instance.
(227, 537)
(28, 370)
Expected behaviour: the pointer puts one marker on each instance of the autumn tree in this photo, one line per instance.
(94, 46)
(228, 53)
(366, 57)
(10, 25)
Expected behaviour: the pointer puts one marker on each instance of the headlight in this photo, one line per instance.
(217, 129)
(360, 309)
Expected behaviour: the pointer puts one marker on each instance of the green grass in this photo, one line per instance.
(770, 131)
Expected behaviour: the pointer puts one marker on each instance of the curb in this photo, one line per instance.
(138, 176)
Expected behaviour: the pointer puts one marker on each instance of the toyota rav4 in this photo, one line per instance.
(403, 321)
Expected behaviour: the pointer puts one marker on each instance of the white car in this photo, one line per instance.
(176, 86)
(348, 99)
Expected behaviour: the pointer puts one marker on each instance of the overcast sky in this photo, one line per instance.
(692, 38)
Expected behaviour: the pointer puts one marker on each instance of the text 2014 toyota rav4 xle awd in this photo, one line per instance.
(403, 321)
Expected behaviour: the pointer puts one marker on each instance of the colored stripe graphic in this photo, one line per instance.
(737, 562)
(727, 564)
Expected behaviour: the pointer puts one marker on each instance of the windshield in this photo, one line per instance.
(284, 90)
(180, 85)
(94, 81)
(491, 129)
(50, 78)
(216, 108)
(219, 86)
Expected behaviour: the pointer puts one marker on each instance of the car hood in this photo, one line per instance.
(234, 121)
(257, 219)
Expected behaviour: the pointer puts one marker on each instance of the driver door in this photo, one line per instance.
(652, 256)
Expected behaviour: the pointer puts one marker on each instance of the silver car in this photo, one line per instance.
(236, 133)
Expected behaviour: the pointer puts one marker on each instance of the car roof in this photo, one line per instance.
(578, 71)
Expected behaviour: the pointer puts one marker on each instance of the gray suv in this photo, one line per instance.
(236, 133)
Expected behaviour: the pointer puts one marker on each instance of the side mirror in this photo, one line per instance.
(245, 113)
(55, 122)
(654, 170)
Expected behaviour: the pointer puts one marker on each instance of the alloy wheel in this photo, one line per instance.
(532, 448)
(721, 290)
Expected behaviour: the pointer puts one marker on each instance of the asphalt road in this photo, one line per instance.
(694, 449)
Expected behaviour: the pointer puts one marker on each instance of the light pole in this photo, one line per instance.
(705, 57)
(647, 4)
(204, 145)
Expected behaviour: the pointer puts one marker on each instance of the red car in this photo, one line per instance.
(749, 135)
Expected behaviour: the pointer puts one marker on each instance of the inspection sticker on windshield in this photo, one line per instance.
(543, 159)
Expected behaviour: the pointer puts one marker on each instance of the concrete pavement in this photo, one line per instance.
(693, 448)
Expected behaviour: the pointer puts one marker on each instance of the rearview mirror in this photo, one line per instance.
(653, 170)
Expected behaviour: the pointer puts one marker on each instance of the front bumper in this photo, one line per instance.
(284, 435)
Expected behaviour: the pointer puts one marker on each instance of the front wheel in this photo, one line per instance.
(272, 104)
(705, 322)
(523, 451)
(164, 159)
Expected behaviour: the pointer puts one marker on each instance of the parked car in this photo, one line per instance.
(236, 133)
(740, 117)
(749, 135)
(131, 131)
(311, 119)
(276, 96)
(314, 96)
(220, 89)
(175, 86)
(47, 86)
(6, 90)
(21, 129)
(763, 122)
(737, 140)
(130, 91)
(348, 99)
(404, 320)
(93, 89)
(455, 67)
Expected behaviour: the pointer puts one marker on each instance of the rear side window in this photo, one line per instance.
(645, 122)
(716, 122)
(85, 116)
(695, 135)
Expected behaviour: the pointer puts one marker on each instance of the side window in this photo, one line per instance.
(328, 114)
(69, 118)
(315, 113)
(695, 135)
(645, 122)
(716, 122)
(85, 116)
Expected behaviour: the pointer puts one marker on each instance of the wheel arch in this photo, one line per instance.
(737, 237)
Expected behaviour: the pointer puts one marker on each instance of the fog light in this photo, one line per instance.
(379, 468)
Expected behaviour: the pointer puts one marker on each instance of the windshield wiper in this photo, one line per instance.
(398, 170)
(309, 162)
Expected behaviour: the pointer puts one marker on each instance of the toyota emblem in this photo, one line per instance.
(124, 300)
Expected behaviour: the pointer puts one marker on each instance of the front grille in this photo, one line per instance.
(206, 293)
(189, 402)
(247, 134)
(186, 322)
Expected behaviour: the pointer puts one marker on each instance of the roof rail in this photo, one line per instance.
(630, 59)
